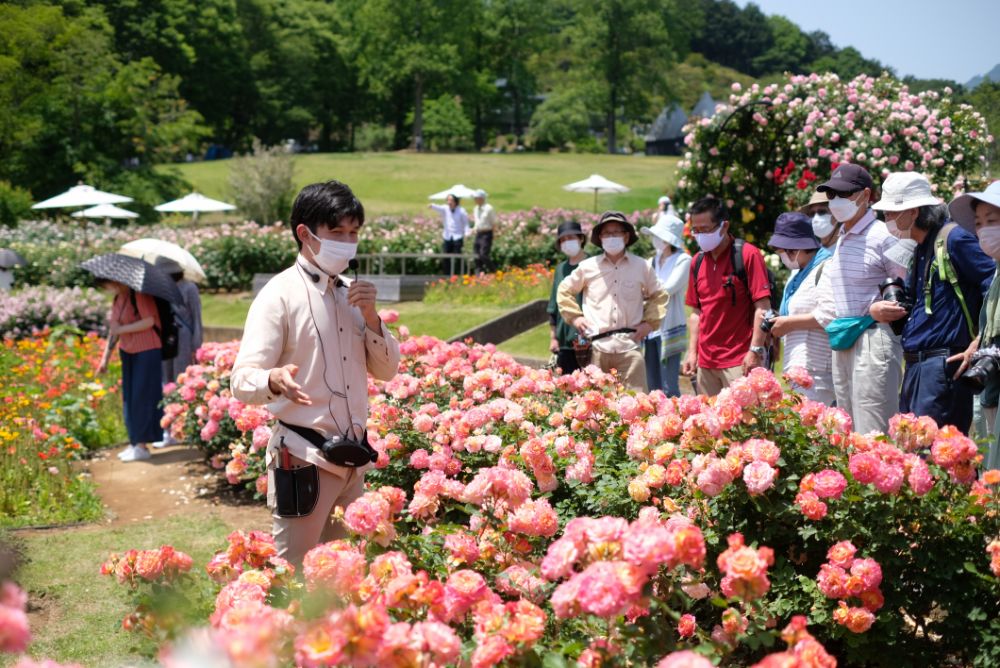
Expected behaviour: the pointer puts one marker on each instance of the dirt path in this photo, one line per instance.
(175, 481)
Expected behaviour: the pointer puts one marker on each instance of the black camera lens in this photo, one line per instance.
(984, 369)
(893, 290)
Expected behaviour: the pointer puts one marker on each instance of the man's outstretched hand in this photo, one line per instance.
(281, 381)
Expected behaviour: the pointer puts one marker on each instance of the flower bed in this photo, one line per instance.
(51, 409)
(28, 311)
(502, 288)
(513, 515)
(232, 254)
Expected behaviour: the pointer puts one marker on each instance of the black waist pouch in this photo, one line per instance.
(339, 450)
(295, 489)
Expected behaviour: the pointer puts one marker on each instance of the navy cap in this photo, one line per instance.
(847, 178)
(569, 227)
(793, 231)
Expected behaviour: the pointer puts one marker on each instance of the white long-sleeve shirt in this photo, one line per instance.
(297, 320)
(455, 221)
(672, 273)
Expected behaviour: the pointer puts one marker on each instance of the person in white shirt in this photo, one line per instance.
(311, 338)
(484, 219)
(672, 264)
(455, 221)
(665, 207)
(6, 278)
(804, 343)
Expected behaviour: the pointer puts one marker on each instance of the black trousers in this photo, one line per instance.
(482, 247)
(929, 389)
(451, 246)
(566, 360)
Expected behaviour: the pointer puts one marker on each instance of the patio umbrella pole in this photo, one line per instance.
(595, 200)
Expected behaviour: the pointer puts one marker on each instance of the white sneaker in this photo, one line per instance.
(138, 454)
(127, 452)
(159, 444)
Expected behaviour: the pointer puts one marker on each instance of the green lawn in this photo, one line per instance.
(440, 320)
(398, 183)
(80, 610)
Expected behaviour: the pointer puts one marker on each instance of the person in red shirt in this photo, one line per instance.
(726, 340)
(133, 325)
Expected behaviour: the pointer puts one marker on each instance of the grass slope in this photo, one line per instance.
(81, 611)
(399, 183)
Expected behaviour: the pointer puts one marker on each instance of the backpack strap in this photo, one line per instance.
(941, 260)
(739, 268)
(698, 259)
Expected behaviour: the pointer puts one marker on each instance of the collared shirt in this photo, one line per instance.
(725, 328)
(945, 326)
(485, 217)
(850, 280)
(124, 313)
(809, 348)
(298, 320)
(455, 221)
(616, 295)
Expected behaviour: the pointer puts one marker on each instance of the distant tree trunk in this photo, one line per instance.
(612, 137)
(516, 94)
(418, 113)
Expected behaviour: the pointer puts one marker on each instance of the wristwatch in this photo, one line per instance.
(758, 350)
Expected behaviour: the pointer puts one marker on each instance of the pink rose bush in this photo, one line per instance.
(811, 123)
(513, 513)
(15, 634)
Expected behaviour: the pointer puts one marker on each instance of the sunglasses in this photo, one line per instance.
(830, 194)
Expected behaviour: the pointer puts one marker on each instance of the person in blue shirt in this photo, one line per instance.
(940, 332)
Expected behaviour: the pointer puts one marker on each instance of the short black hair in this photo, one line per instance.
(712, 205)
(325, 204)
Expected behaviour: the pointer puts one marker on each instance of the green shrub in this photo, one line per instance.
(15, 204)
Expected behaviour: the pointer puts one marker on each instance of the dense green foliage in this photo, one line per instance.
(102, 90)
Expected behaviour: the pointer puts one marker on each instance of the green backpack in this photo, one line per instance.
(941, 262)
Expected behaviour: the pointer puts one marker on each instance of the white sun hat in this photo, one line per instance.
(961, 207)
(905, 190)
(669, 228)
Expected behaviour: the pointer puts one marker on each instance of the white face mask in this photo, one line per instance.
(659, 244)
(333, 256)
(613, 245)
(822, 225)
(570, 247)
(709, 241)
(843, 209)
(989, 241)
(790, 264)
(896, 231)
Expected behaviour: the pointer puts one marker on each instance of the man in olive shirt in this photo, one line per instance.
(622, 300)
(571, 241)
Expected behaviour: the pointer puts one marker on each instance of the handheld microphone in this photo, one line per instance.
(353, 265)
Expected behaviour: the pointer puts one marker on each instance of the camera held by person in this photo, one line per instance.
(768, 322)
(983, 368)
(893, 290)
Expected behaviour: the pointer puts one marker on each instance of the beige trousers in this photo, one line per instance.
(294, 536)
(866, 378)
(631, 367)
(713, 381)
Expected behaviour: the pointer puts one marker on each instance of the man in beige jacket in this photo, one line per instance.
(622, 300)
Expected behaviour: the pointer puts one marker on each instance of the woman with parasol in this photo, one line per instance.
(135, 326)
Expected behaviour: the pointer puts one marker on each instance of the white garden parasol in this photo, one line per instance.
(105, 211)
(458, 190)
(597, 184)
(194, 204)
(149, 249)
(81, 195)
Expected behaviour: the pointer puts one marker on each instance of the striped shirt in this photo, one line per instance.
(809, 348)
(123, 313)
(850, 280)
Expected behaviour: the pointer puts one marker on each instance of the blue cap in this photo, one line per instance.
(793, 231)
